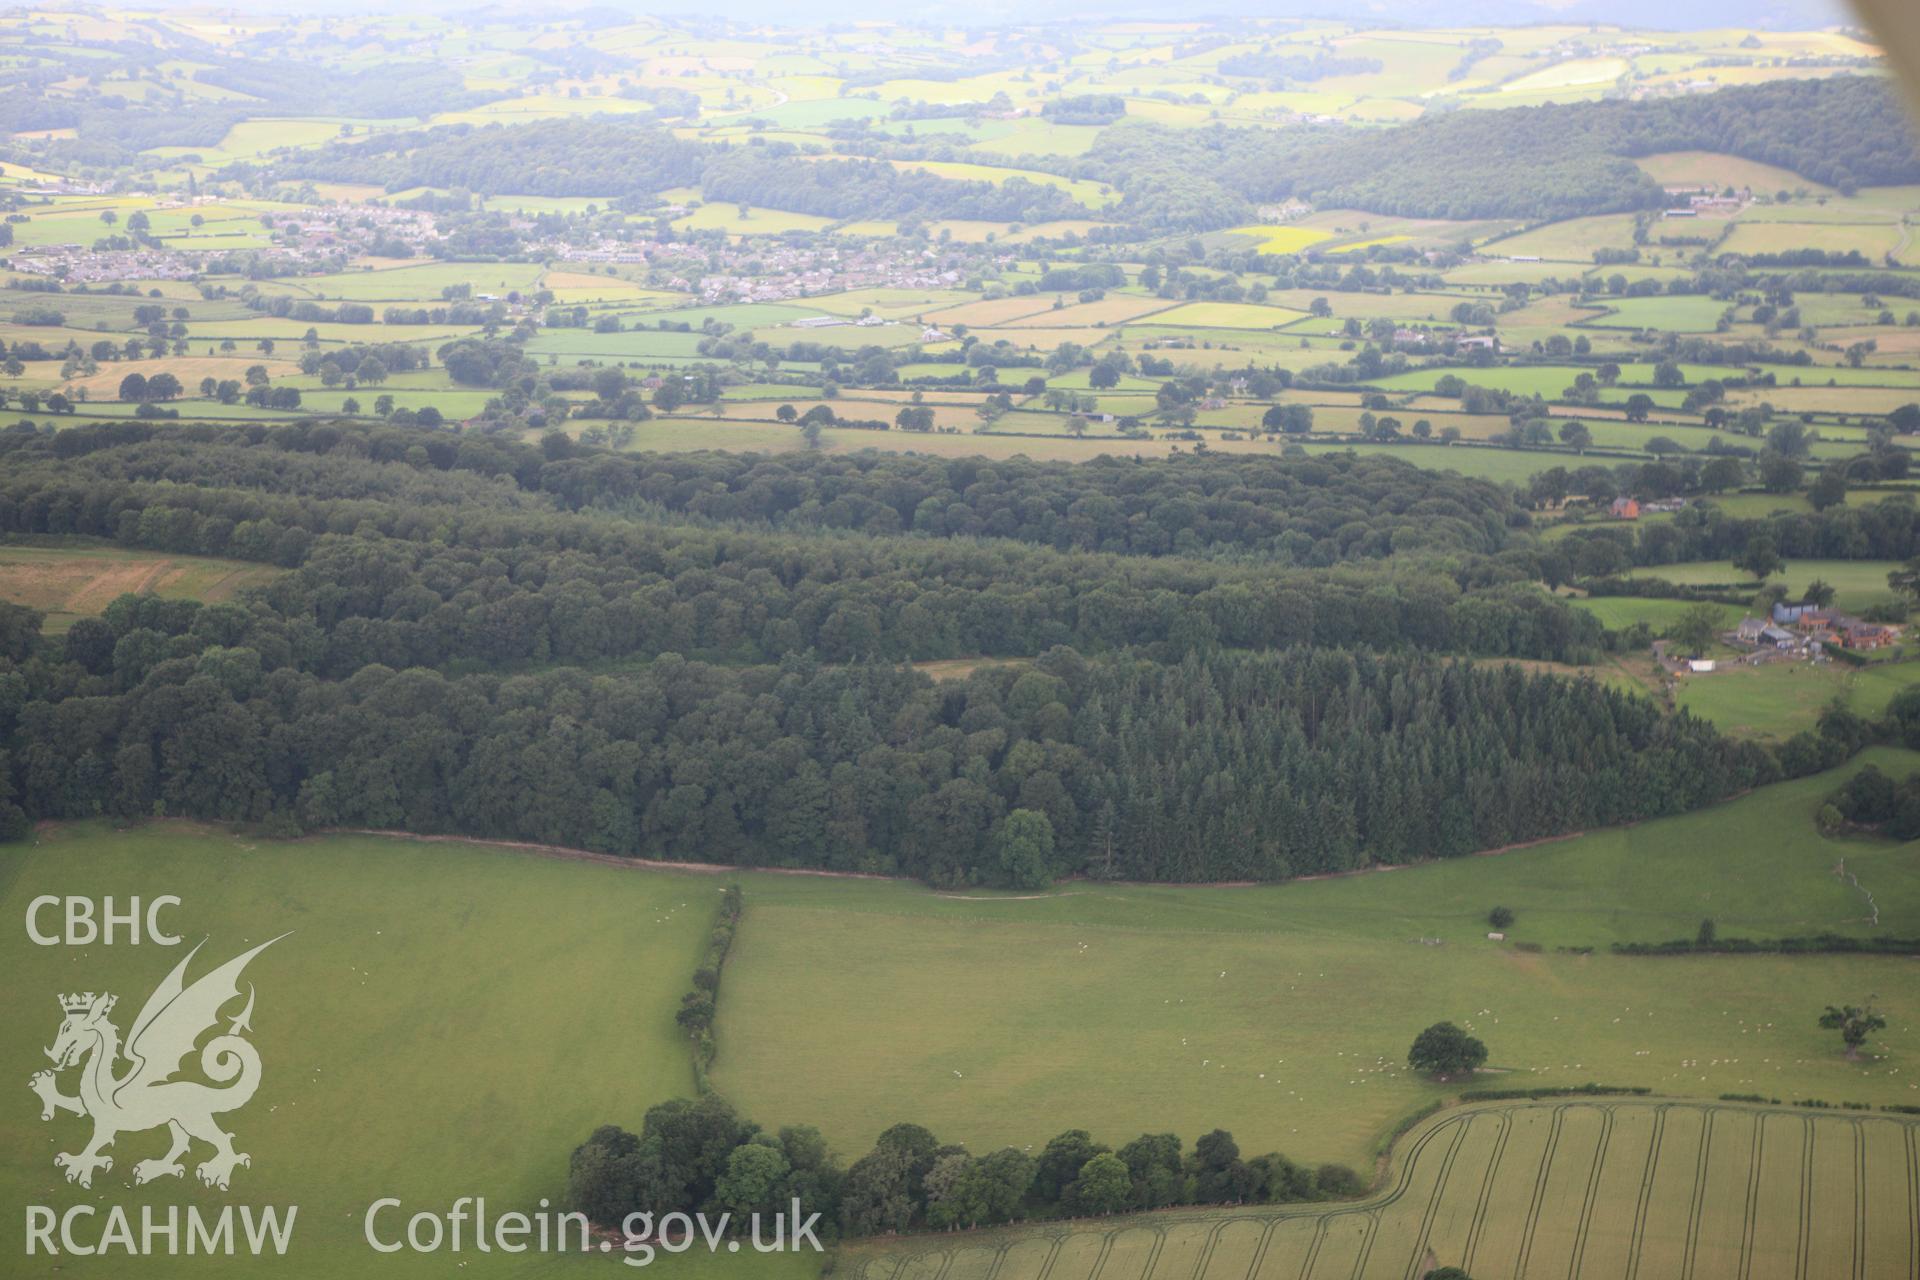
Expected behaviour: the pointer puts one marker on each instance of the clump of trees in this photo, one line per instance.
(1871, 800)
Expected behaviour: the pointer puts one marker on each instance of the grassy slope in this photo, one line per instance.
(1283, 1012)
(444, 1021)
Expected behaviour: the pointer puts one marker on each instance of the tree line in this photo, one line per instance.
(703, 1157)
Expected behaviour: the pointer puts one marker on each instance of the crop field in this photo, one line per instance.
(1282, 238)
(987, 313)
(71, 582)
(1228, 315)
(1589, 1187)
(404, 1032)
(1367, 244)
(1113, 309)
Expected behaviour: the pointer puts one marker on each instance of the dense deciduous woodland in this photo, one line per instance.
(438, 658)
(1530, 162)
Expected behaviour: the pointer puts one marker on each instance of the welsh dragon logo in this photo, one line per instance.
(145, 1095)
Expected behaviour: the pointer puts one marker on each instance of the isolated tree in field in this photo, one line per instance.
(1445, 1050)
(1759, 558)
(1104, 1184)
(786, 413)
(1500, 917)
(1575, 435)
(1707, 934)
(1639, 406)
(1695, 629)
(1854, 1025)
(134, 387)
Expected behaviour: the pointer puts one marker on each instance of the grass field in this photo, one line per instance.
(443, 1021)
(1536, 1189)
(1857, 584)
(1774, 700)
(1617, 613)
(1718, 170)
(69, 583)
(1283, 1012)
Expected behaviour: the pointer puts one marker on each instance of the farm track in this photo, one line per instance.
(1394, 1234)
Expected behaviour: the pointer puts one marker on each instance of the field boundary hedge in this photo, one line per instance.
(701, 1002)
(1818, 944)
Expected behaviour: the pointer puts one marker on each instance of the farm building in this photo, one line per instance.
(1625, 509)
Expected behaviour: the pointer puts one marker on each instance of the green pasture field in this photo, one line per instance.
(1039, 137)
(633, 344)
(1617, 613)
(1678, 313)
(1591, 1186)
(1871, 238)
(1283, 1012)
(442, 1021)
(1857, 584)
(420, 283)
(286, 332)
(741, 315)
(77, 581)
(1776, 700)
(1571, 240)
(1718, 170)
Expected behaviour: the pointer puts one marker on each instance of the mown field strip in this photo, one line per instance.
(1578, 1190)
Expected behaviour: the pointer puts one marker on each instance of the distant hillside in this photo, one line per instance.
(1529, 162)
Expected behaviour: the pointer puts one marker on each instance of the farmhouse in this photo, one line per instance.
(1625, 509)
(1827, 627)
